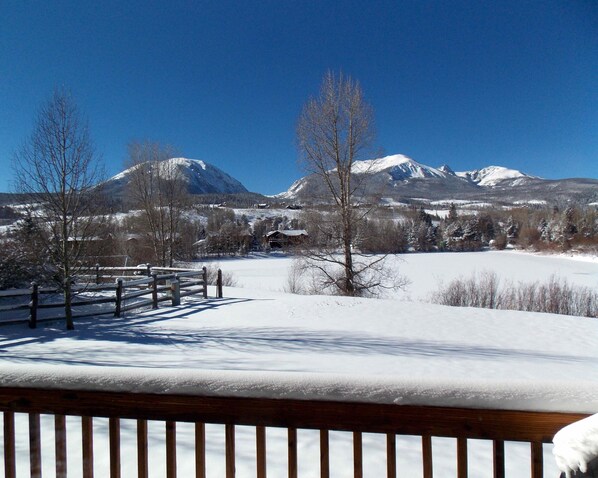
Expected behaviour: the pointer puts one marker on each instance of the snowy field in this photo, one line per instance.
(397, 350)
(426, 271)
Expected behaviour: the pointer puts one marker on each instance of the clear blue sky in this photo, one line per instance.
(467, 83)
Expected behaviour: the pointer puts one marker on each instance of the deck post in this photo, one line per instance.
(154, 291)
(219, 284)
(119, 297)
(175, 291)
(205, 282)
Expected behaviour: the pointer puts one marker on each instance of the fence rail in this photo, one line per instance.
(389, 420)
(127, 291)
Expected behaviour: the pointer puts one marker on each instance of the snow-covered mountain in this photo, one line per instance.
(200, 177)
(402, 178)
(398, 167)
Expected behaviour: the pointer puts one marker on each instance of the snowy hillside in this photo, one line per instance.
(200, 177)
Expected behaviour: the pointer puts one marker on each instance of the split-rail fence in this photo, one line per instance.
(108, 291)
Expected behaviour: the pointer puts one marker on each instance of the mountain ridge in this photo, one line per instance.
(402, 178)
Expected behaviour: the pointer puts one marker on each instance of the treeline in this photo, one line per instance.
(206, 231)
(526, 228)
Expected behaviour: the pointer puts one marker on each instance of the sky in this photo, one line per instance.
(464, 83)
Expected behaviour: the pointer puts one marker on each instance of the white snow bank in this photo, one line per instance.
(576, 445)
(481, 394)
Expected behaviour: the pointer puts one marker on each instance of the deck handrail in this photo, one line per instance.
(499, 426)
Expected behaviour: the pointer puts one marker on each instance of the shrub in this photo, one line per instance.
(228, 279)
(555, 296)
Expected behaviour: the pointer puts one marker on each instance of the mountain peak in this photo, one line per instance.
(445, 168)
(201, 177)
(398, 166)
(492, 175)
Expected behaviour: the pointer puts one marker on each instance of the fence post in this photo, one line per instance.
(219, 284)
(205, 282)
(148, 270)
(33, 305)
(175, 291)
(119, 297)
(97, 273)
(154, 291)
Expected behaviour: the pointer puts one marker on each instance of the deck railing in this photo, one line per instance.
(390, 420)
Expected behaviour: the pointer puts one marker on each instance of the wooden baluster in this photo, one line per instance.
(60, 442)
(499, 458)
(357, 455)
(114, 437)
(230, 450)
(260, 451)
(9, 445)
(170, 449)
(324, 454)
(461, 457)
(292, 444)
(427, 456)
(87, 443)
(391, 455)
(537, 460)
(35, 450)
(142, 457)
(200, 450)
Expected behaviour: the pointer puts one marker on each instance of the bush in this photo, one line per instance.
(228, 279)
(555, 296)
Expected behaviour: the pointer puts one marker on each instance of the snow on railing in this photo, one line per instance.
(576, 447)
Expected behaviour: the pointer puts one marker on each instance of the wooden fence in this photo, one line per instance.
(125, 288)
(389, 420)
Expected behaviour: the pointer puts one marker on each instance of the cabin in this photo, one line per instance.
(285, 239)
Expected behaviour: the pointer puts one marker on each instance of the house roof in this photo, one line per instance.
(289, 233)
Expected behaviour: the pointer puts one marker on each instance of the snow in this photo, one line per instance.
(576, 445)
(383, 389)
(259, 341)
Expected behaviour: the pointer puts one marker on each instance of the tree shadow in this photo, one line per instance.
(221, 347)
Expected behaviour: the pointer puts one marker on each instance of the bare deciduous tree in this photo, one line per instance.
(157, 187)
(58, 169)
(335, 130)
